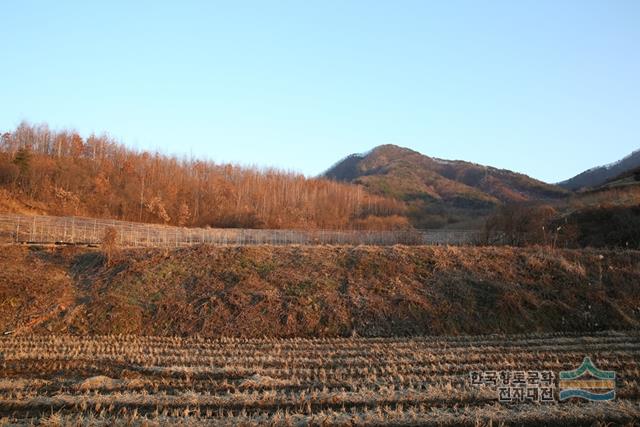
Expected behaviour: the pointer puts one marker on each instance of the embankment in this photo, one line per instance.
(317, 291)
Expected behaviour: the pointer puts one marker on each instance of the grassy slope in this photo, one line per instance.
(318, 291)
(10, 202)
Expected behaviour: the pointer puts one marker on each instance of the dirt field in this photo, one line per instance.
(62, 380)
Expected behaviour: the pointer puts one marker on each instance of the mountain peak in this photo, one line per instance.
(437, 191)
(386, 149)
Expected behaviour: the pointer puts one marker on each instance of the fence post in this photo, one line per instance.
(18, 231)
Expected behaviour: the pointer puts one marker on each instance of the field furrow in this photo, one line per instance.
(387, 381)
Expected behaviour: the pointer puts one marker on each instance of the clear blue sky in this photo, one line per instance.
(548, 88)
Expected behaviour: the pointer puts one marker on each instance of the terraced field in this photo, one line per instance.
(134, 380)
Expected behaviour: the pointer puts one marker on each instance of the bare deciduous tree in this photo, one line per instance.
(111, 181)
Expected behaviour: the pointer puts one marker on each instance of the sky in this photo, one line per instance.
(548, 88)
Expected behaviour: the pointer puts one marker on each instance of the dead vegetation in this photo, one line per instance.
(326, 335)
(324, 291)
(62, 173)
(133, 380)
(603, 218)
(109, 243)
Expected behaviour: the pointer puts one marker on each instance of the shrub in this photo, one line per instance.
(521, 224)
(109, 243)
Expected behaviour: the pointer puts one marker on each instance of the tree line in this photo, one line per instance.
(612, 222)
(97, 176)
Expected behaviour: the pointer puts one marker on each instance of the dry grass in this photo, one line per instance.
(132, 380)
(11, 202)
(325, 291)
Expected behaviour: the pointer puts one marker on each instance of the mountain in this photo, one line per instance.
(600, 175)
(439, 192)
(630, 177)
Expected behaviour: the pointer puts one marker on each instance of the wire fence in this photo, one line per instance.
(90, 231)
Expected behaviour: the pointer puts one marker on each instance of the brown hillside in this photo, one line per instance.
(62, 173)
(608, 216)
(318, 291)
(439, 192)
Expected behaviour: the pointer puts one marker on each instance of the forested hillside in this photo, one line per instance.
(439, 192)
(600, 175)
(62, 173)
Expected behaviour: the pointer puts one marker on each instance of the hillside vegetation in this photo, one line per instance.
(600, 175)
(627, 178)
(61, 173)
(605, 216)
(439, 192)
(317, 291)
